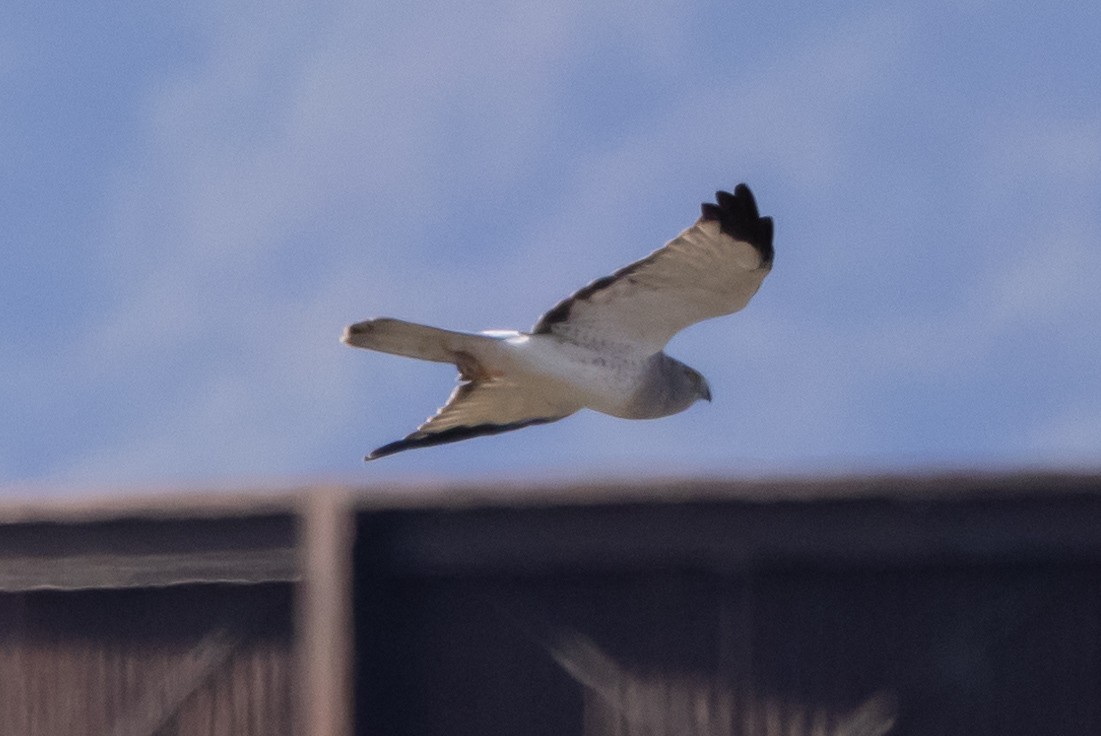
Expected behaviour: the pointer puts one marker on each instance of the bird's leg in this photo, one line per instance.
(469, 367)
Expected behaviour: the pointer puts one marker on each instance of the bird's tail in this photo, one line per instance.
(415, 341)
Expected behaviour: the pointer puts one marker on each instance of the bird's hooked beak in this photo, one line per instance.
(705, 391)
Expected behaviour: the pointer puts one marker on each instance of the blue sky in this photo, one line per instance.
(198, 197)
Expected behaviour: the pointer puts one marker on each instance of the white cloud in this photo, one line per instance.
(311, 169)
(367, 120)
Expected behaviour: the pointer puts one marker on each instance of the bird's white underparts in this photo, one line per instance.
(603, 347)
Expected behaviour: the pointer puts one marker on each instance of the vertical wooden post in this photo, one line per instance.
(324, 616)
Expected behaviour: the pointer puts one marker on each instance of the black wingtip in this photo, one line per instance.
(739, 218)
(393, 447)
(455, 434)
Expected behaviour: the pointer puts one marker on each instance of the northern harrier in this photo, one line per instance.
(602, 348)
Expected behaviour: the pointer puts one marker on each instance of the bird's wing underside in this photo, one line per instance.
(711, 269)
(482, 407)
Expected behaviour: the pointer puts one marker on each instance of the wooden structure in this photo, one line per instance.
(133, 619)
(937, 605)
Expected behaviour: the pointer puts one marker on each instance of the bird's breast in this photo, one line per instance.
(601, 379)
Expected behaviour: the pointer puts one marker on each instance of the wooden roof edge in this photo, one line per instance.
(544, 491)
(933, 485)
(177, 504)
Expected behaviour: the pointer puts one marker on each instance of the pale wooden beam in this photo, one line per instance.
(324, 614)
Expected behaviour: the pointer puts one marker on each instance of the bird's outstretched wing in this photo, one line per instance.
(479, 407)
(710, 269)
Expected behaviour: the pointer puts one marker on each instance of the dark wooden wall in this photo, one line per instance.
(957, 614)
(183, 660)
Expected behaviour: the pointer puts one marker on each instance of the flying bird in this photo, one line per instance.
(601, 348)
